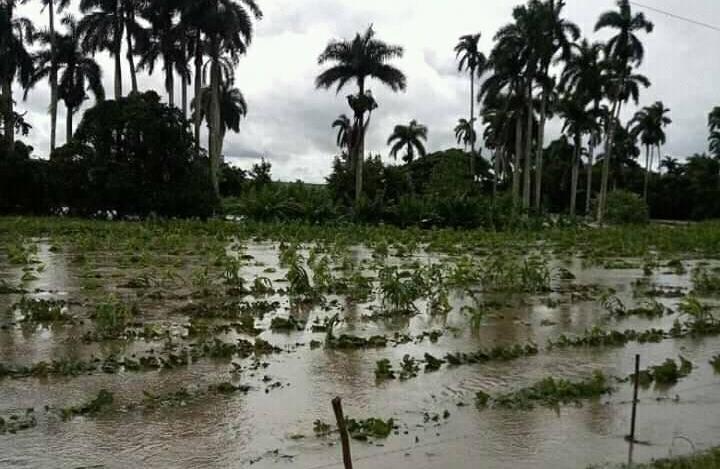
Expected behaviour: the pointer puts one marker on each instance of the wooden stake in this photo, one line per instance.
(631, 437)
(344, 438)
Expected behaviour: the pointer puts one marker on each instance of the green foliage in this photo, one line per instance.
(101, 402)
(551, 392)
(369, 428)
(113, 316)
(132, 156)
(626, 208)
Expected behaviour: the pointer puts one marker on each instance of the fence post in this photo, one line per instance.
(345, 440)
(631, 437)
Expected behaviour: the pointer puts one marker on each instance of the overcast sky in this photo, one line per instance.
(289, 120)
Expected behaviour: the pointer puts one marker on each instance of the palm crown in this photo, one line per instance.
(410, 137)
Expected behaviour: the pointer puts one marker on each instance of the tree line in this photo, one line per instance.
(540, 67)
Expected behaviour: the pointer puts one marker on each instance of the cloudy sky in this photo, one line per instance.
(289, 120)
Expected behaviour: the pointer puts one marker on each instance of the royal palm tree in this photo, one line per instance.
(224, 29)
(162, 41)
(51, 6)
(233, 108)
(648, 124)
(584, 75)
(345, 131)
(714, 127)
(102, 27)
(411, 138)
(15, 62)
(578, 122)
(554, 45)
(671, 165)
(504, 93)
(473, 61)
(465, 133)
(78, 72)
(363, 58)
(624, 50)
(517, 42)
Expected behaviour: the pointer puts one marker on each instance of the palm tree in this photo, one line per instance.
(584, 74)
(579, 121)
(503, 93)
(15, 61)
(411, 138)
(714, 127)
(624, 51)
(344, 133)
(224, 30)
(560, 33)
(518, 40)
(134, 34)
(77, 72)
(671, 165)
(233, 108)
(53, 78)
(475, 62)
(161, 40)
(464, 132)
(102, 28)
(360, 59)
(648, 124)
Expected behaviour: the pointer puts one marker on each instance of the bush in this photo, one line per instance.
(132, 156)
(626, 208)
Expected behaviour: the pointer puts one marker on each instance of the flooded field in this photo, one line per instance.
(132, 345)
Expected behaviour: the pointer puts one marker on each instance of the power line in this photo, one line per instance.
(677, 17)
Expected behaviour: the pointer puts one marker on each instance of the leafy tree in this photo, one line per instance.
(365, 57)
(473, 61)
(133, 156)
(624, 50)
(410, 137)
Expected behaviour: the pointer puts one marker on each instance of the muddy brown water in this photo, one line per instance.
(273, 426)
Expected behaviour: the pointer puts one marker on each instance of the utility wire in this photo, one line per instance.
(677, 17)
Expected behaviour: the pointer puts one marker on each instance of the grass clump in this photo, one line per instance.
(550, 392)
(101, 402)
(17, 422)
(40, 310)
(666, 374)
(113, 316)
(369, 428)
(709, 459)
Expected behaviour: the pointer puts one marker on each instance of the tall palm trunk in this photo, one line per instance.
(574, 177)
(9, 117)
(528, 147)
(53, 75)
(609, 141)
(184, 95)
(198, 87)
(69, 124)
(360, 151)
(518, 149)
(131, 58)
(215, 122)
(647, 172)
(588, 194)
(539, 152)
(117, 46)
(496, 169)
(170, 83)
(472, 124)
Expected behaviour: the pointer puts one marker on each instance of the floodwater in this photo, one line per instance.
(272, 424)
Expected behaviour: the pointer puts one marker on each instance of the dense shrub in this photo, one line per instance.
(624, 207)
(132, 156)
(23, 181)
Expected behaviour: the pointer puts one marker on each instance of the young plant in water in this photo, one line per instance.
(113, 316)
